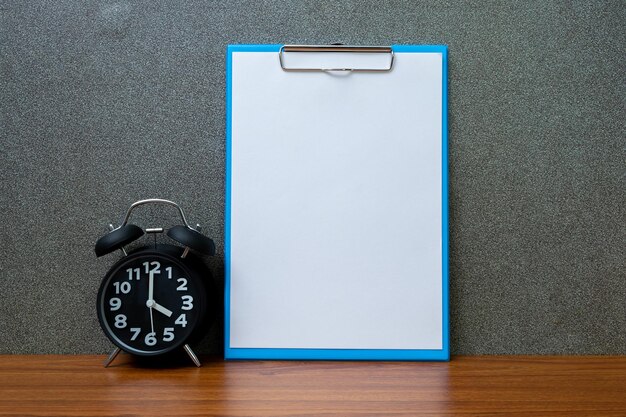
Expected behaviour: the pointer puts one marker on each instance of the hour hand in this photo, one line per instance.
(161, 309)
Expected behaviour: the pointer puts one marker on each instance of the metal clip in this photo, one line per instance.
(336, 48)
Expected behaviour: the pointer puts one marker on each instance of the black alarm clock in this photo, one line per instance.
(159, 298)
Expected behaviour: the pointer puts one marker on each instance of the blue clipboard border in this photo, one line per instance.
(341, 354)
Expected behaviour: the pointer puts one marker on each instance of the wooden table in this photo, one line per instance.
(479, 385)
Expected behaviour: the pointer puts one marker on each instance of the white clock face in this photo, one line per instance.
(149, 304)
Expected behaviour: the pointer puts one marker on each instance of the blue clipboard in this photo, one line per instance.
(298, 353)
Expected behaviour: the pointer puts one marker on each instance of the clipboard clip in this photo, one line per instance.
(336, 48)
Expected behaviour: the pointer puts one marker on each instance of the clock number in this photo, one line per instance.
(183, 286)
(169, 272)
(168, 334)
(182, 320)
(187, 302)
(150, 339)
(136, 331)
(156, 267)
(115, 303)
(120, 321)
(130, 271)
(124, 287)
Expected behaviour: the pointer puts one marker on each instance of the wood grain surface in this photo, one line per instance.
(487, 385)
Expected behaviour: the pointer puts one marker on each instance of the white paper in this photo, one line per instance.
(336, 217)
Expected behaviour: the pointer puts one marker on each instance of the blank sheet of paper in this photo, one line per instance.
(335, 208)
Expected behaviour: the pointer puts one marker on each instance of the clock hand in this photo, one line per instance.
(153, 304)
(151, 286)
(151, 319)
(161, 309)
(150, 302)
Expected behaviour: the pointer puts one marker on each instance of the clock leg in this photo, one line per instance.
(192, 355)
(112, 356)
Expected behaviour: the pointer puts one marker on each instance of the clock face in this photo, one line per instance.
(150, 303)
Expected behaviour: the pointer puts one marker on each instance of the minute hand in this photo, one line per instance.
(151, 285)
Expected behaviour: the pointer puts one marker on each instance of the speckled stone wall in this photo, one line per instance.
(104, 103)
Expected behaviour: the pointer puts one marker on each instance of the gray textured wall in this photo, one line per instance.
(105, 103)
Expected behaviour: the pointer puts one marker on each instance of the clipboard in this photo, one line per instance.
(336, 223)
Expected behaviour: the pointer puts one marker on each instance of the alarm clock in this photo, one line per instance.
(159, 298)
